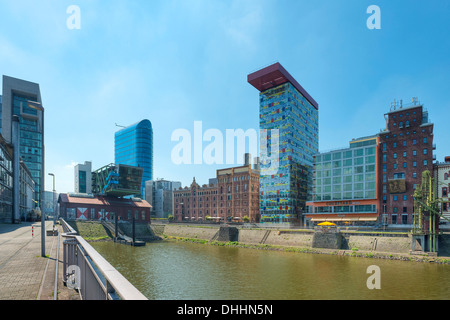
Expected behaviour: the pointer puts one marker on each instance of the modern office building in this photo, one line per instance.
(134, 147)
(1, 113)
(159, 193)
(23, 99)
(83, 178)
(407, 150)
(25, 187)
(289, 116)
(117, 180)
(346, 185)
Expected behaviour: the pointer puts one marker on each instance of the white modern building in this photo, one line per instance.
(159, 193)
(83, 178)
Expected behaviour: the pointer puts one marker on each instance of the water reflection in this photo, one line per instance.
(173, 271)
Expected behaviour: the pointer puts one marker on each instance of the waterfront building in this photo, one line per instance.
(406, 151)
(285, 106)
(26, 193)
(23, 99)
(195, 203)
(25, 187)
(83, 178)
(6, 182)
(238, 194)
(346, 184)
(159, 193)
(134, 147)
(89, 207)
(441, 174)
(117, 180)
(0, 113)
(235, 197)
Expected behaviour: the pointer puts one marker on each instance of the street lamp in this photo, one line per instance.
(54, 209)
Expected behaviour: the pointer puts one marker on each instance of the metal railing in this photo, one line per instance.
(87, 271)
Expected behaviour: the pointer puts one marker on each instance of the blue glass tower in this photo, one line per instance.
(134, 147)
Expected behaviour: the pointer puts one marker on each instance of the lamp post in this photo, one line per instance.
(54, 209)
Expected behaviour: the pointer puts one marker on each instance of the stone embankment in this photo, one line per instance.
(389, 245)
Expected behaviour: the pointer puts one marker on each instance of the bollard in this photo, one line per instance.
(32, 231)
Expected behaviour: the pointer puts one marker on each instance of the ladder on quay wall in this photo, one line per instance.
(264, 238)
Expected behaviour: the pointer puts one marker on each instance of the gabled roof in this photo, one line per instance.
(102, 201)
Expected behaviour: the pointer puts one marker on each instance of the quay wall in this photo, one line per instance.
(376, 242)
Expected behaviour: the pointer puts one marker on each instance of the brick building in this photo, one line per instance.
(406, 151)
(88, 207)
(235, 196)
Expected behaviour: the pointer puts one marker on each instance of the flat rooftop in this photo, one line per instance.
(275, 75)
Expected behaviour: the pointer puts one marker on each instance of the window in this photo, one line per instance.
(444, 192)
(395, 145)
(414, 142)
(425, 140)
(445, 176)
(414, 164)
(425, 151)
(395, 198)
(404, 154)
(414, 152)
(399, 175)
(395, 156)
(425, 162)
(404, 164)
(384, 146)
(384, 157)
(404, 143)
(395, 209)
(395, 166)
(414, 174)
(405, 197)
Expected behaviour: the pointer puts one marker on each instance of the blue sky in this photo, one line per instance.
(179, 61)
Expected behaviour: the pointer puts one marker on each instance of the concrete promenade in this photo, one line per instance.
(24, 273)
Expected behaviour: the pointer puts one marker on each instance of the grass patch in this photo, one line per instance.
(91, 231)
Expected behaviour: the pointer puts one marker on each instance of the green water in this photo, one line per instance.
(188, 271)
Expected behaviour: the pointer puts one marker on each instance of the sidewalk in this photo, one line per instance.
(24, 274)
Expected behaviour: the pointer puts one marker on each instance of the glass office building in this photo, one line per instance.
(289, 115)
(346, 174)
(346, 185)
(23, 99)
(134, 147)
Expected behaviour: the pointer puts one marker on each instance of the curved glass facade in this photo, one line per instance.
(134, 147)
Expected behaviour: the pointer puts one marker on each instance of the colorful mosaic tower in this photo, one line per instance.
(288, 121)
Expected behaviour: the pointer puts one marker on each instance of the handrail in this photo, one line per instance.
(114, 278)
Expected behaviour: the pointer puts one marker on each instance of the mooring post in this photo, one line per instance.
(115, 228)
(134, 231)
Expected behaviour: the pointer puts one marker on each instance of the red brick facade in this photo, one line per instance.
(406, 151)
(235, 196)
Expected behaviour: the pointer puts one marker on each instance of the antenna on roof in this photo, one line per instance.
(118, 125)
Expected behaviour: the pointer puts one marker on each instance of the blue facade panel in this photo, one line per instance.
(134, 147)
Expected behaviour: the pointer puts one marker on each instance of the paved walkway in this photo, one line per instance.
(24, 274)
